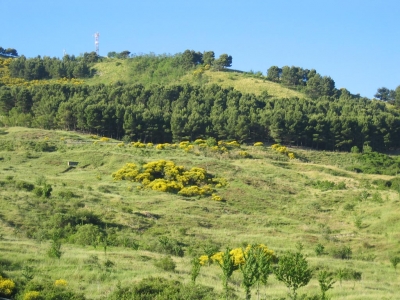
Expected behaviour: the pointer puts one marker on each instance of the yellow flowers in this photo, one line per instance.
(244, 154)
(138, 145)
(238, 255)
(165, 176)
(258, 144)
(283, 150)
(60, 282)
(32, 295)
(120, 145)
(6, 286)
(216, 197)
(104, 139)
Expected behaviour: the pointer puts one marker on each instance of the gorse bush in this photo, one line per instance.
(165, 176)
(283, 150)
(7, 286)
(238, 255)
(50, 290)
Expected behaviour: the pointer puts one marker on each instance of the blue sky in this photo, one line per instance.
(355, 42)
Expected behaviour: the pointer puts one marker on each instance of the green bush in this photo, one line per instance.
(343, 252)
(23, 185)
(66, 195)
(88, 234)
(166, 264)
(49, 291)
(163, 289)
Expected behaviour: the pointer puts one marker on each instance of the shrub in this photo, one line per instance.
(60, 282)
(166, 264)
(343, 252)
(88, 234)
(170, 246)
(6, 286)
(319, 249)
(244, 154)
(165, 176)
(23, 185)
(163, 289)
(32, 295)
(38, 191)
(66, 194)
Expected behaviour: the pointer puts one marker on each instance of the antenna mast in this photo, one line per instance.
(96, 42)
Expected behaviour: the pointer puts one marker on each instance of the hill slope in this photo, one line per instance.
(269, 199)
(130, 71)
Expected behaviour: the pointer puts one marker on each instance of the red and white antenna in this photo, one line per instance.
(96, 42)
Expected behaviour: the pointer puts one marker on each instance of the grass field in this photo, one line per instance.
(113, 70)
(269, 199)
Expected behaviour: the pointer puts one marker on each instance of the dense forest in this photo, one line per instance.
(326, 118)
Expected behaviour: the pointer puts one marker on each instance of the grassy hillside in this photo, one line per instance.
(269, 199)
(130, 71)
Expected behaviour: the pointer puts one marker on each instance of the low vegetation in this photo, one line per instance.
(78, 233)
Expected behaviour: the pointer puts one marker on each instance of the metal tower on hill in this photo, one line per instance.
(96, 42)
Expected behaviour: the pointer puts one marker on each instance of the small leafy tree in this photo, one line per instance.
(325, 283)
(293, 271)
(227, 265)
(55, 249)
(340, 275)
(195, 271)
(249, 271)
(264, 268)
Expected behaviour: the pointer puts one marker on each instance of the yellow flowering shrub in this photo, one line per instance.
(60, 282)
(128, 172)
(283, 150)
(191, 191)
(238, 255)
(258, 144)
(32, 295)
(165, 176)
(215, 197)
(188, 148)
(149, 145)
(233, 144)
(138, 145)
(183, 144)
(199, 141)
(244, 154)
(202, 146)
(6, 286)
(203, 260)
(104, 139)
(160, 146)
(120, 145)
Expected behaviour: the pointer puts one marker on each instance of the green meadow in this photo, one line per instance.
(344, 222)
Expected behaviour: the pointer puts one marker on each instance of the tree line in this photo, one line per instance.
(9, 52)
(39, 68)
(187, 112)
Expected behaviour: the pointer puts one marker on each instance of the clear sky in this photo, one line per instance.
(356, 42)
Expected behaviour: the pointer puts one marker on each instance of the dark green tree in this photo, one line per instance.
(208, 57)
(274, 74)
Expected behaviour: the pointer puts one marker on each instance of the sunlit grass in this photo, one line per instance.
(268, 200)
